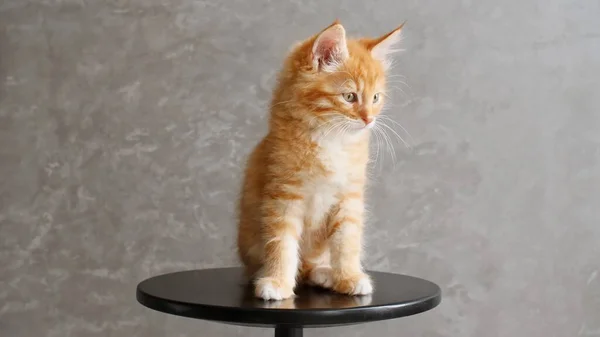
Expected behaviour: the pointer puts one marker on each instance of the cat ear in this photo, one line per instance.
(329, 49)
(383, 46)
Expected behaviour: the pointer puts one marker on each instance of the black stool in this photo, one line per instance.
(222, 295)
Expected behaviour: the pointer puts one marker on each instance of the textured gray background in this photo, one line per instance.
(124, 125)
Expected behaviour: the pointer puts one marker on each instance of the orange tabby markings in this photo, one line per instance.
(301, 207)
(283, 195)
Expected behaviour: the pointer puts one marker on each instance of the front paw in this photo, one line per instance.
(322, 277)
(358, 284)
(269, 288)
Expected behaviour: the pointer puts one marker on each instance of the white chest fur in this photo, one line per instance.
(323, 192)
(335, 157)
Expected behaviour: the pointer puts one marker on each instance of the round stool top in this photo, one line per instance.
(223, 295)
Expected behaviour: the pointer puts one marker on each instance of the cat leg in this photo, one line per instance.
(315, 255)
(249, 246)
(321, 276)
(281, 231)
(316, 268)
(345, 242)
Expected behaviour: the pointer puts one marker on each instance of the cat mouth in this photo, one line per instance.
(364, 126)
(369, 125)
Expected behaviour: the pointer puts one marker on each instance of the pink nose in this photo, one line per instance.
(366, 119)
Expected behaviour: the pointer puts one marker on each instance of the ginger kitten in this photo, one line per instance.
(301, 208)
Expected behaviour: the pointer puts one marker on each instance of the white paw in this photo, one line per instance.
(363, 286)
(322, 276)
(270, 290)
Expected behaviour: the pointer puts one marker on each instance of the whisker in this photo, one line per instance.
(385, 95)
(396, 75)
(382, 144)
(390, 145)
(344, 130)
(331, 125)
(335, 126)
(391, 64)
(339, 129)
(400, 82)
(388, 118)
(397, 135)
(343, 72)
(341, 85)
(398, 88)
(377, 141)
(283, 102)
(325, 121)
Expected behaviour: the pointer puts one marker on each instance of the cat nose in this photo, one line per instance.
(366, 119)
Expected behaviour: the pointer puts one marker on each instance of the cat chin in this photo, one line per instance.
(364, 128)
(357, 134)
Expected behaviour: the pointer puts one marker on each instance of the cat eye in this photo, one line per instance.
(350, 97)
(376, 98)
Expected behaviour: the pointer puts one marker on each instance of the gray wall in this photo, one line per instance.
(124, 125)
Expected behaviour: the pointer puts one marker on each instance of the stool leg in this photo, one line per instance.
(288, 331)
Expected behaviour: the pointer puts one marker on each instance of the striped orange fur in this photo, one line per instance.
(301, 207)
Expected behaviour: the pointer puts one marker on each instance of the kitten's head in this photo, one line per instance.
(335, 78)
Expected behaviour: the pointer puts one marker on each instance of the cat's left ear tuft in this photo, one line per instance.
(382, 47)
